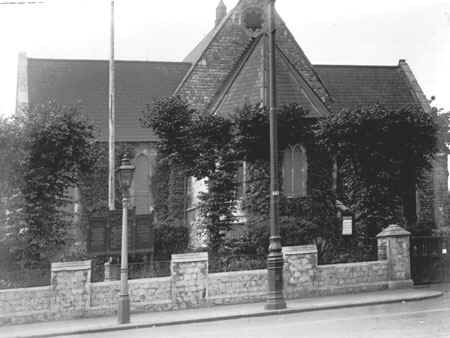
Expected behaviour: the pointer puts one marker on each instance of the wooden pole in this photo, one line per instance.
(112, 122)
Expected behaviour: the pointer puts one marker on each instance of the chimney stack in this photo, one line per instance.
(221, 12)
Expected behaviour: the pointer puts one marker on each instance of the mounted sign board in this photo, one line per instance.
(105, 234)
(347, 225)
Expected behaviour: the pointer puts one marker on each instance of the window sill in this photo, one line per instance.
(296, 196)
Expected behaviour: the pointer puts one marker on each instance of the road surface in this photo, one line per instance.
(424, 319)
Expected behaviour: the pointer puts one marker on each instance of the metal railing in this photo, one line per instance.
(348, 251)
(24, 277)
(229, 263)
(136, 270)
(430, 259)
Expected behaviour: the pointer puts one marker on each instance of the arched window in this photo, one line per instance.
(141, 185)
(295, 171)
(241, 177)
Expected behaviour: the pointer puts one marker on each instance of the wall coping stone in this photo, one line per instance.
(71, 266)
(132, 282)
(354, 264)
(148, 280)
(237, 273)
(300, 249)
(30, 289)
(190, 257)
(394, 230)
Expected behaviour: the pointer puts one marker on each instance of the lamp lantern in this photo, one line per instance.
(126, 171)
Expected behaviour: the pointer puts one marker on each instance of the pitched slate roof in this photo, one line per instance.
(85, 83)
(352, 86)
(292, 87)
(246, 84)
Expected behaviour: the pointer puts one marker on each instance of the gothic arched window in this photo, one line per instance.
(295, 171)
(142, 185)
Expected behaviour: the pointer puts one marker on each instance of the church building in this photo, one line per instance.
(226, 70)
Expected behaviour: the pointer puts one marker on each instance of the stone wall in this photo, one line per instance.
(440, 189)
(299, 270)
(189, 279)
(237, 287)
(339, 277)
(393, 244)
(150, 293)
(71, 293)
(70, 288)
(24, 300)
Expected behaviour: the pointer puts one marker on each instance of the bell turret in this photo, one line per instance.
(221, 12)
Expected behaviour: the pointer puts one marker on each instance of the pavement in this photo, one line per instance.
(217, 313)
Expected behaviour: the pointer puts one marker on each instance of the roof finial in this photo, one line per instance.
(221, 12)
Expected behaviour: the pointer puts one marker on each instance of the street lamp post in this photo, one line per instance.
(126, 171)
(275, 299)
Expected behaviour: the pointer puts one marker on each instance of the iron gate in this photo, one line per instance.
(430, 259)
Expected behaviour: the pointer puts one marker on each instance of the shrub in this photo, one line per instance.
(170, 239)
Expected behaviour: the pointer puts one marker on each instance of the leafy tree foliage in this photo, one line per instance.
(171, 119)
(251, 130)
(48, 151)
(198, 146)
(383, 154)
(213, 147)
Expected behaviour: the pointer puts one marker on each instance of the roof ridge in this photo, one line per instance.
(106, 60)
(352, 65)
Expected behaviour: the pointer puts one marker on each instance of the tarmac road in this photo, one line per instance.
(424, 319)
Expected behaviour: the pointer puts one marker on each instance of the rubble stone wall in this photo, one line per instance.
(72, 295)
(24, 300)
(334, 277)
(237, 287)
(144, 293)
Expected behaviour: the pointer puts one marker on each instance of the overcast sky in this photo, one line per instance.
(329, 31)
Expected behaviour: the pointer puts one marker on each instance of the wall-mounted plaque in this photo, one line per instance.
(347, 225)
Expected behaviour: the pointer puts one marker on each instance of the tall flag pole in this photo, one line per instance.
(112, 122)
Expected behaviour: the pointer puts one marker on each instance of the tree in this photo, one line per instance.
(48, 150)
(382, 154)
(213, 147)
(193, 145)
